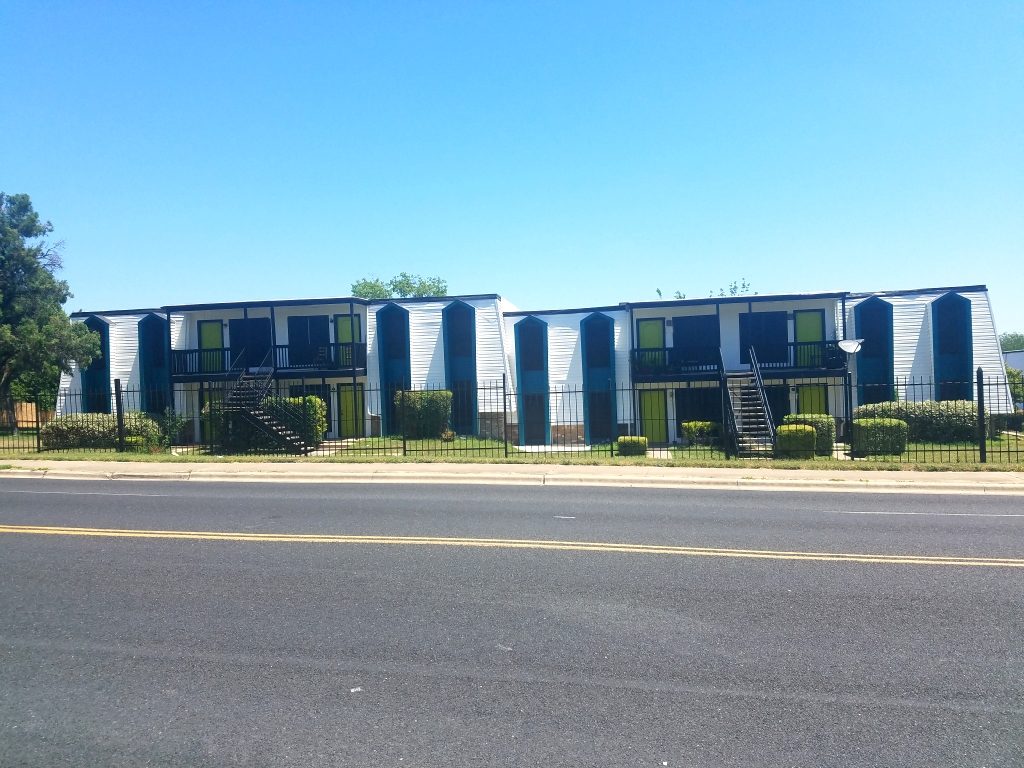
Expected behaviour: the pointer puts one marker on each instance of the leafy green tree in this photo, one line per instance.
(403, 285)
(36, 336)
(371, 288)
(1010, 342)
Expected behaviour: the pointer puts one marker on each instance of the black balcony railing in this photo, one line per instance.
(802, 355)
(671, 362)
(324, 357)
(675, 361)
(188, 362)
(328, 357)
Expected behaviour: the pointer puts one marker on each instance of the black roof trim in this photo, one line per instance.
(579, 311)
(712, 300)
(265, 303)
(423, 299)
(116, 312)
(310, 302)
(908, 291)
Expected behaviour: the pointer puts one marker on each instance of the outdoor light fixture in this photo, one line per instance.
(851, 346)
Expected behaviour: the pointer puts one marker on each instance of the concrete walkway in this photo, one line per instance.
(748, 477)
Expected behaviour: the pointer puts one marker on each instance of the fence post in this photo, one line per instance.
(404, 423)
(504, 412)
(613, 414)
(39, 421)
(982, 447)
(120, 415)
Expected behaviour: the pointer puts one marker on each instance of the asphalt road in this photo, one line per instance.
(124, 651)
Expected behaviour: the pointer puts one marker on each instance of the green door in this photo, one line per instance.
(809, 331)
(812, 398)
(650, 335)
(654, 416)
(211, 346)
(348, 331)
(350, 411)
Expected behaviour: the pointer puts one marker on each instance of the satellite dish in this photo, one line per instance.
(851, 346)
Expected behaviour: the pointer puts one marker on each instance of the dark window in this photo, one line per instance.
(394, 328)
(952, 320)
(532, 342)
(699, 404)
(953, 347)
(874, 325)
(308, 339)
(459, 329)
(597, 341)
(767, 333)
(696, 339)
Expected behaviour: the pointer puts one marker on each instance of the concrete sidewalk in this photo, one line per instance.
(749, 477)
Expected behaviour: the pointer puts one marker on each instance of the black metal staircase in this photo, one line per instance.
(751, 415)
(247, 398)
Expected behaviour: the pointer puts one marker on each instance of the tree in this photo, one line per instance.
(35, 332)
(1010, 342)
(403, 285)
(736, 288)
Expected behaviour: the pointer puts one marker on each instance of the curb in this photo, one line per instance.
(853, 485)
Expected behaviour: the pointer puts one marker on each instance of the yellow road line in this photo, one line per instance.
(572, 546)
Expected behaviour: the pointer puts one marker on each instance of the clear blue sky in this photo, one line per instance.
(561, 154)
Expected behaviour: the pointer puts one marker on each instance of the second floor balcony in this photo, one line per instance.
(695, 362)
(327, 358)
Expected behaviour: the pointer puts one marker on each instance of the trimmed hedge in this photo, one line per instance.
(795, 441)
(423, 413)
(879, 437)
(1003, 421)
(700, 432)
(928, 421)
(824, 430)
(98, 430)
(632, 446)
(306, 415)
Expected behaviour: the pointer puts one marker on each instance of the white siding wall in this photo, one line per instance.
(912, 341)
(565, 362)
(426, 346)
(123, 356)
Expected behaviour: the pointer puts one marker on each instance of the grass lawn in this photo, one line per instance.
(1005, 449)
(392, 446)
(1004, 454)
(24, 440)
(697, 453)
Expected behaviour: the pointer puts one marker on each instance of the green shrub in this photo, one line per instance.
(795, 441)
(879, 437)
(306, 416)
(928, 421)
(97, 430)
(171, 426)
(423, 413)
(1006, 421)
(700, 432)
(824, 430)
(448, 436)
(632, 446)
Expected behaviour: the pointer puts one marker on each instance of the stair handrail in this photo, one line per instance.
(759, 383)
(729, 438)
(262, 382)
(241, 373)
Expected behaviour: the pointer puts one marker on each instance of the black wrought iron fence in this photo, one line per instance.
(901, 421)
